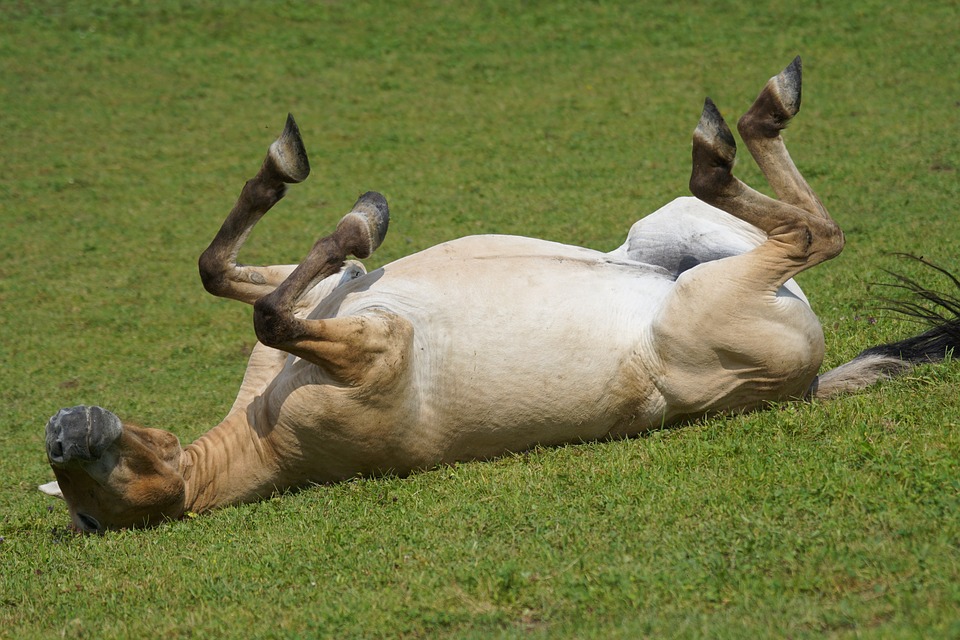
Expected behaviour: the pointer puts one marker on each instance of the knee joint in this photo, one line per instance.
(273, 325)
(213, 271)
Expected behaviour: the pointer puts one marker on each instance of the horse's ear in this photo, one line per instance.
(52, 489)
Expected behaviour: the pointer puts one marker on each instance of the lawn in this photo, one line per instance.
(129, 129)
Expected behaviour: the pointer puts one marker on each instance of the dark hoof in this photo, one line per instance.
(787, 87)
(777, 104)
(367, 224)
(713, 134)
(289, 155)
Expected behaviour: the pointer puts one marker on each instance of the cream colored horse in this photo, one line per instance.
(486, 344)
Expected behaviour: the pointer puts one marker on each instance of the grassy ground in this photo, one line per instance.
(129, 128)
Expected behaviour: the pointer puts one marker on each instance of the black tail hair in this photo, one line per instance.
(940, 311)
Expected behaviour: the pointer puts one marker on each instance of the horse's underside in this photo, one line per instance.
(490, 344)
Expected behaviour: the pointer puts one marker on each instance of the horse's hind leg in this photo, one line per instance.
(760, 128)
(286, 163)
(728, 337)
(346, 347)
(800, 234)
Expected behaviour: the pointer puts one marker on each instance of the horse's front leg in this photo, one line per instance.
(286, 163)
(349, 348)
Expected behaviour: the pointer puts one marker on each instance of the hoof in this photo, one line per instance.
(777, 104)
(367, 224)
(713, 135)
(786, 87)
(289, 155)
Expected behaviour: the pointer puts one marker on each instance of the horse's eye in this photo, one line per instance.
(88, 523)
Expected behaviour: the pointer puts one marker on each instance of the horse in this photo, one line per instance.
(491, 344)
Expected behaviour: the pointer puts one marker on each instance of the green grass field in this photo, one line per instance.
(129, 128)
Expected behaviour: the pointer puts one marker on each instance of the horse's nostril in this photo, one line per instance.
(56, 450)
(88, 523)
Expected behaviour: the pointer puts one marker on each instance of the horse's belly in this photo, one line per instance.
(510, 351)
(514, 343)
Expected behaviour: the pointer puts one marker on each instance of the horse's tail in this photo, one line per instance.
(940, 311)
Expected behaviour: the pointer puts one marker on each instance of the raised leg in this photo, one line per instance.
(800, 232)
(342, 345)
(760, 128)
(286, 163)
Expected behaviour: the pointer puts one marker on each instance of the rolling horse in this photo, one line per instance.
(491, 344)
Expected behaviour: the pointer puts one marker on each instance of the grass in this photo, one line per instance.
(129, 128)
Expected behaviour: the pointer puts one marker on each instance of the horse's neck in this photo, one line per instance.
(230, 464)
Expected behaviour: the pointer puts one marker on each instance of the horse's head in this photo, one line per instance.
(113, 475)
